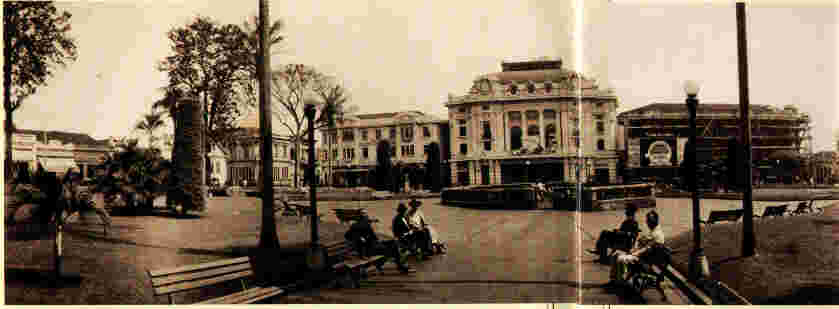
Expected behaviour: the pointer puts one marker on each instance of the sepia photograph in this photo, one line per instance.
(542, 153)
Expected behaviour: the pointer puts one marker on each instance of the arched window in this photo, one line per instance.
(601, 145)
(533, 130)
(531, 88)
(548, 87)
(514, 89)
(515, 138)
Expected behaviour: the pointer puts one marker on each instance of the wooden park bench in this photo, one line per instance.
(348, 264)
(723, 215)
(805, 208)
(190, 277)
(294, 209)
(350, 215)
(650, 272)
(773, 211)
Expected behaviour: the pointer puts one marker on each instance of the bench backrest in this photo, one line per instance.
(178, 279)
(352, 214)
(775, 210)
(725, 215)
(335, 251)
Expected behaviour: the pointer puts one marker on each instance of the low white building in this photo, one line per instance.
(58, 151)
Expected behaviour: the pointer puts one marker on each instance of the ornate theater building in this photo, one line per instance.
(522, 125)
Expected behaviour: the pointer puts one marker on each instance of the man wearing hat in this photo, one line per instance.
(402, 232)
(630, 225)
(417, 221)
(363, 237)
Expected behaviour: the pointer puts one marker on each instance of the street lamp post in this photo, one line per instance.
(317, 256)
(527, 171)
(698, 263)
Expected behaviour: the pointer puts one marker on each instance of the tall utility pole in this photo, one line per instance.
(268, 233)
(746, 125)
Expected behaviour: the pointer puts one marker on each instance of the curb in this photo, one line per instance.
(696, 295)
(706, 291)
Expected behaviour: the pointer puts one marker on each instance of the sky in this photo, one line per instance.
(647, 50)
(409, 55)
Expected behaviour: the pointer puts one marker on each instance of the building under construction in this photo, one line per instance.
(656, 135)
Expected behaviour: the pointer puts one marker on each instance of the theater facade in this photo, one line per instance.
(533, 121)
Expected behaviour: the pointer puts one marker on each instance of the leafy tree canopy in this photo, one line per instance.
(36, 38)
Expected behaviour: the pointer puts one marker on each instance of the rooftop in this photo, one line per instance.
(709, 108)
(65, 137)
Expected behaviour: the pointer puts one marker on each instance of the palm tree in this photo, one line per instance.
(150, 123)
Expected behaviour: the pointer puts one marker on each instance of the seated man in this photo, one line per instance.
(606, 239)
(364, 239)
(362, 236)
(653, 238)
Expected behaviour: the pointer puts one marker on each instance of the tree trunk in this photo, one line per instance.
(8, 130)
(268, 240)
(7, 105)
(296, 161)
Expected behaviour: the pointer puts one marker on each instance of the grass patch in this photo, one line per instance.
(796, 258)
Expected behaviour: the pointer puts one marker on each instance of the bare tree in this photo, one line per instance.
(296, 85)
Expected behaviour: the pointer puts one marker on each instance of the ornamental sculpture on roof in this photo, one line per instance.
(530, 79)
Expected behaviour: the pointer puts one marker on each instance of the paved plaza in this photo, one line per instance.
(494, 255)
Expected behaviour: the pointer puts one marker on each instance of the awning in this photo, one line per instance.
(23, 155)
(59, 165)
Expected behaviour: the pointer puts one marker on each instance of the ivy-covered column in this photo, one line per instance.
(189, 160)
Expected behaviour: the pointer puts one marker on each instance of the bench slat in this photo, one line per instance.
(245, 297)
(358, 262)
(179, 287)
(214, 272)
(724, 215)
(181, 269)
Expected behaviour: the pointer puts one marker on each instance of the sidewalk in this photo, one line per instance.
(796, 261)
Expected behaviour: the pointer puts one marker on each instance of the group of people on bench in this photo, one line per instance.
(410, 229)
(635, 250)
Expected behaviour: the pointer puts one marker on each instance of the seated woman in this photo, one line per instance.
(651, 239)
(607, 238)
(423, 233)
